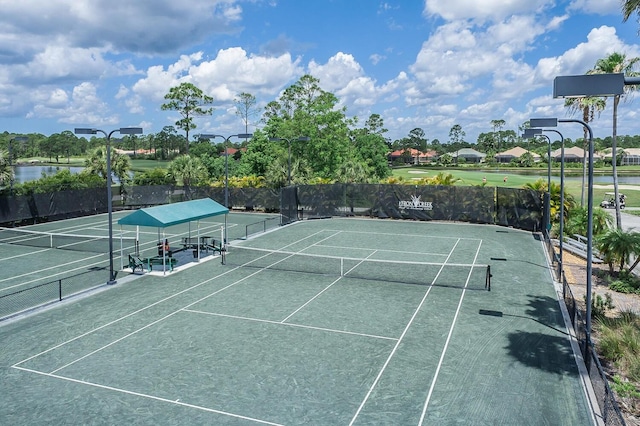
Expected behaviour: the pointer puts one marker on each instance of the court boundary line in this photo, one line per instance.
(152, 305)
(409, 235)
(52, 373)
(149, 245)
(321, 292)
(585, 379)
(290, 324)
(153, 397)
(384, 250)
(446, 344)
(397, 345)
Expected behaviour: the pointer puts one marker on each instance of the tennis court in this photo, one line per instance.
(327, 322)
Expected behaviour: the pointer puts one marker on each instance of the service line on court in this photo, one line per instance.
(148, 307)
(404, 332)
(52, 374)
(144, 395)
(446, 344)
(408, 235)
(325, 289)
(385, 250)
(290, 324)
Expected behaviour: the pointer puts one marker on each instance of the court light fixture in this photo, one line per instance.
(211, 136)
(531, 133)
(553, 122)
(122, 131)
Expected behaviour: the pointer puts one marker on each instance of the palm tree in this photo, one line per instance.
(353, 171)
(540, 186)
(97, 164)
(578, 219)
(616, 63)
(589, 107)
(443, 178)
(629, 7)
(190, 171)
(617, 246)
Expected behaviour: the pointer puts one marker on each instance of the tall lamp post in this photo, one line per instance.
(288, 141)
(561, 230)
(11, 141)
(553, 122)
(210, 136)
(532, 133)
(578, 86)
(122, 131)
(561, 260)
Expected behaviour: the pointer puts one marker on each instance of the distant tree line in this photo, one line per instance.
(339, 148)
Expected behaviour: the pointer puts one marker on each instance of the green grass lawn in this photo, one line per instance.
(495, 177)
(139, 165)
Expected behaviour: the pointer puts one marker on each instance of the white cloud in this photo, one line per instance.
(600, 7)
(578, 60)
(339, 70)
(492, 10)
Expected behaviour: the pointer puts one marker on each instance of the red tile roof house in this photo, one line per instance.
(413, 156)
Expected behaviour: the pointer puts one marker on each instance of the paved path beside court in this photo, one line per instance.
(575, 269)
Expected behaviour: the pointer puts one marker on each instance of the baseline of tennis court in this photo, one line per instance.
(31, 270)
(256, 341)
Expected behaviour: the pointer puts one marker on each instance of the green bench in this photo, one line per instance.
(136, 263)
(147, 263)
(158, 260)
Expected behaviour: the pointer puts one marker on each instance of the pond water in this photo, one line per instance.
(28, 173)
(603, 180)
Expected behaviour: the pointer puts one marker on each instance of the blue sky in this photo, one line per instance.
(417, 63)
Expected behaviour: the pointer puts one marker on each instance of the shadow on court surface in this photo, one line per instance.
(232, 345)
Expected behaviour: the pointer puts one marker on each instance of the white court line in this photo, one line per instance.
(404, 332)
(325, 289)
(156, 398)
(290, 324)
(39, 279)
(383, 250)
(157, 321)
(407, 235)
(29, 253)
(446, 344)
(148, 307)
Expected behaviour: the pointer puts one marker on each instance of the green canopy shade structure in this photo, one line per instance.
(167, 215)
(174, 214)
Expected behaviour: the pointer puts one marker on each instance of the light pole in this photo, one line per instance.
(288, 141)
(529, 133)
(122, 131)
(561, 259)
(553, 122)
(532, 133)
(11, 141)
(209, 136)
(579, 86)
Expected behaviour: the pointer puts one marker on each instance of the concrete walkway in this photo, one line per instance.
(630, 222)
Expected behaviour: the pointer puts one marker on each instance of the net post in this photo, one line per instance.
(487, 282)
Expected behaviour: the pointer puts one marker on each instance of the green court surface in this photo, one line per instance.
(392, 326)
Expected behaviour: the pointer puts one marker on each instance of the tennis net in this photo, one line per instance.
(472, 276)
(87, 243)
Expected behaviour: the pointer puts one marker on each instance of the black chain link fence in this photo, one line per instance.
(14, 302)
(610, 413)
